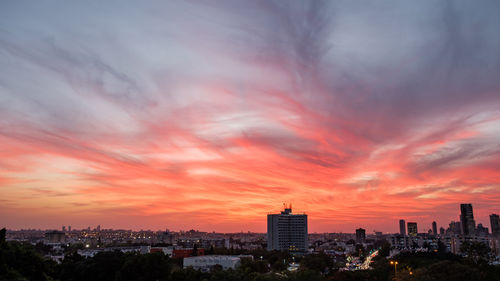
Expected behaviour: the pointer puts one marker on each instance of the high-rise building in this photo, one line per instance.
(402, 227)
(360, 235)
(441, 230)
(412, 229)
(467, 219)
(495, 224)
(69, 228)
(98, 228)
(455, 228)
(63, 228)
(434, 228)
(287, 231)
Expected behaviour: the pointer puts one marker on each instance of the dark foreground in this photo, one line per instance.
(19, 261)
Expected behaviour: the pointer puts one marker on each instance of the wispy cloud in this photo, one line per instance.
(209, 115)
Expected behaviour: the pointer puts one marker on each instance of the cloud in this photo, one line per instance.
(213, 114)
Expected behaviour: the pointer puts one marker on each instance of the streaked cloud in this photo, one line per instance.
(209, 115)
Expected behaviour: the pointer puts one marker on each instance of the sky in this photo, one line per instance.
(211, 114)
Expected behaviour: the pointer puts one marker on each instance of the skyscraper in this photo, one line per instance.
(467, 219)
(434, 228)
(412, 229)
(495, 224)
(360, 235)
(402, 227)
(441, 230)
(287, 231)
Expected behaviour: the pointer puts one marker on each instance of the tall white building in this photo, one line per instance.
(287, 231)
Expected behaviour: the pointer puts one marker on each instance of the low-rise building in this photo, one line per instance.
(204, 263)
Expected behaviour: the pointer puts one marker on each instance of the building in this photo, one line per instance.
(434, 228)
(69, 228)
(495, 225)
(467, 219)
(412, 229)
(455, 228)
(55, 237)
(360, 235)
(205, 263)
(166, 237)
(402, 227)
(441, 231)
(186, 252)
(287, 231)
(481, 230)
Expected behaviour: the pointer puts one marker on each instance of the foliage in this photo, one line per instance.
(476, 251)
(20, 261)
(317, 262)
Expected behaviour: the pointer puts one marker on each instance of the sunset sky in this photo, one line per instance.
(210, 114)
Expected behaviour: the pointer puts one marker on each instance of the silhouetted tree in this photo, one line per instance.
(476, 251)
(3, 233)
(195, 250)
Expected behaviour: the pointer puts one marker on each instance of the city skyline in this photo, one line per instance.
(401, 225)
(197, 115)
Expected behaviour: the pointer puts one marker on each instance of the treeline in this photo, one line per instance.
(21, 261)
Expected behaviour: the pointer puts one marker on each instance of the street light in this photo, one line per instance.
(395, 263)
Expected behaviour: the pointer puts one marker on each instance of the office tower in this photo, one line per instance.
(287, 231)
(98, 228)
(360, 235)
(69, 228)
(402, 227)
(467, 219)
(441, 231)
(434, 228)
(455, 228)
(495, 224)
(412, 229)
(63, 228)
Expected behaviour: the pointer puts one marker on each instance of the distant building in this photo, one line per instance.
(441, 231)
(360, 235)
(63, 228)
(98, 228)
(287, 231)
(166, 237)
(145, 249)
(434, 228)
(455, 228)
(481, 230)
(69, 228)
(55, 237)
(186, 252)
(467, 219)
(412, 229)
(205, 263)
(402, 227)
(495, 224)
